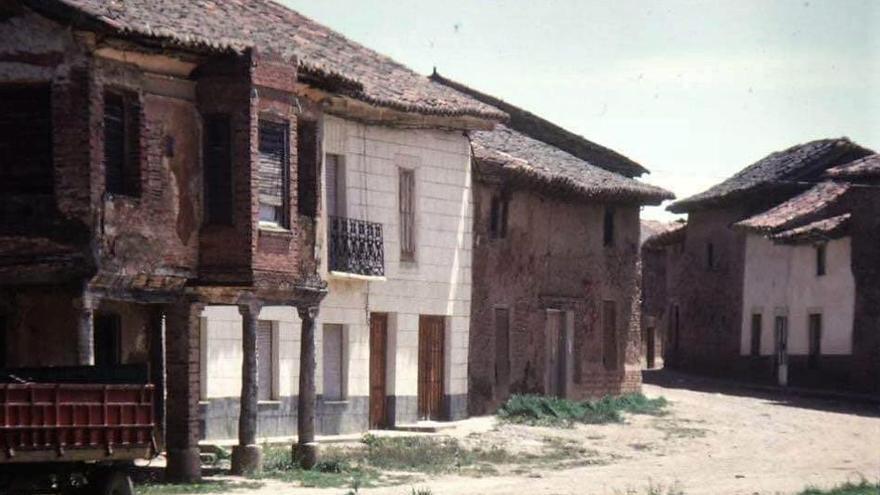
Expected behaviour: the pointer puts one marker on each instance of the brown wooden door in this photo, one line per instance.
(556, 345)
(431, 354)
(378, 362)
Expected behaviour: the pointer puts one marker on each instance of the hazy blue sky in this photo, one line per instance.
(693, 90)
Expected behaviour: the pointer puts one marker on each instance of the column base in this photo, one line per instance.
(183, 466)
(305, 454)
(246, 460)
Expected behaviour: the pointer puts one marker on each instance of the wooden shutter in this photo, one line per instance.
(273, 171)
(122, 116)
(265, 360)
(218, 170)
(407, 215)
(609, 347)
(333, 358)
(26, 140)
(307, 167)
(334, 175)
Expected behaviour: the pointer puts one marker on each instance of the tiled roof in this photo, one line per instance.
(548, 132)
(820, 230)
(237, 25)
(791, 165)
(867, 167)
(805, 206)
(674, 234)
(523, 157)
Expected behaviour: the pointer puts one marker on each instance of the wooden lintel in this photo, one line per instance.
(155, 63)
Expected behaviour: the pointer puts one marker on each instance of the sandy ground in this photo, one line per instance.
(710, 443)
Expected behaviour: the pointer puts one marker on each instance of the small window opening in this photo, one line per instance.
(122, 130)
(608, 227)
(820, 260)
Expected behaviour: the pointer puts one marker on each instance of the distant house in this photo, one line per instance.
(774, 277)
(555, 249)
(658, 252)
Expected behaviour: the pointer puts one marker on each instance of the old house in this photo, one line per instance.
(555, 289)
(657, 247)
(772, 276)
(161, 167)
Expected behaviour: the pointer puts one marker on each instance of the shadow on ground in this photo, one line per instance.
(822, 400)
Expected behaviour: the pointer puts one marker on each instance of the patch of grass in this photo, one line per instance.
(202, 487)
(335, 469)
(861, 488)
(541, 410)
(429, 454)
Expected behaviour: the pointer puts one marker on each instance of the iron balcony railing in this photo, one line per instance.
(356, 246)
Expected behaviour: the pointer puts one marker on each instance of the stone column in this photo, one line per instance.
(182, 361)
(306, 450)
(85, 336)
(247, 458)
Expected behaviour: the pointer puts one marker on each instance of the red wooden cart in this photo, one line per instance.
(73, 437)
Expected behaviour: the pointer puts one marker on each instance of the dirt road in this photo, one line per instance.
(710, 443)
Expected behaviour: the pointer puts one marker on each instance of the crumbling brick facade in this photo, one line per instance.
(552, 258)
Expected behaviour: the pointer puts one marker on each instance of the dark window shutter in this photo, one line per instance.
(307, 167)
(122, 143)
(218, 170)
(273, 169)
(25, 139)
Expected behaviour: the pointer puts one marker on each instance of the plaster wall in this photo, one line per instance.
(781, 279)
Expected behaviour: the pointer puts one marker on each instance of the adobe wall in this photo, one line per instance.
(865, 229)
(552, 257)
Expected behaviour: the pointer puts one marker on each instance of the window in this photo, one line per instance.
(334, 362)
(26, 140)
(334, 171)
(407, 215)
(609, 342)
(108, 340)
(502, 347)
(498, 217)
(122, 130)
(273, 173)
(756, 335)
(815, 336)
(307, 167)
(218, 170)
(820, 260)
(608, 227)
(266, 360)
(710, 255)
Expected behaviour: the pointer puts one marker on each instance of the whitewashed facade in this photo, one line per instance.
(785, 282)
(437, 282)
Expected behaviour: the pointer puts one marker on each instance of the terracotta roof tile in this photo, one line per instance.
(805, 206)
(820, 230)
(236, 25)
(524, 157)
(787, 166)
(867, 167)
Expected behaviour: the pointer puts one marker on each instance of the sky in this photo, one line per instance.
(692, 90)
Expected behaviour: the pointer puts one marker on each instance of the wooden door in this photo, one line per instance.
(650, 351)
(431, 356)
(556, 346)
(502, 353)
(378, 366)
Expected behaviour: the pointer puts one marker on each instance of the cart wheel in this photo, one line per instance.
(115, 483)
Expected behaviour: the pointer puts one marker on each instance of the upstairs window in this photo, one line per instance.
(608, 228)
(498, 217)
(218, 170)
(307, 167)
(274, 173)
(820, 260)
(407, 215)
(25, 140)
(122, 143)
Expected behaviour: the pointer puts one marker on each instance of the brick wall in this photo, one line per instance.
(552, 257)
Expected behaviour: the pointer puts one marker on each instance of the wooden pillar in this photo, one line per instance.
(182, 320)
(157, 370)
(247, 456)
(306, 450)
(85, 336)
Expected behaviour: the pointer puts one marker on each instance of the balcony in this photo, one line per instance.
(356, 247)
